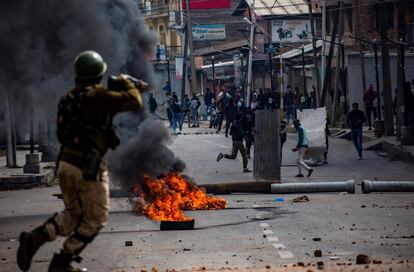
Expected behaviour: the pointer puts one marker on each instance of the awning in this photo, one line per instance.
(220, 47)
(221, 64)
(297, 52)
(287, 55)
(275, 7)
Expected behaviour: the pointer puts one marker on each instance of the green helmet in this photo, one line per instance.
(89, 64)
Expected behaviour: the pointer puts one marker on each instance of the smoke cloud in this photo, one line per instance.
(143, 150)
(38, 43)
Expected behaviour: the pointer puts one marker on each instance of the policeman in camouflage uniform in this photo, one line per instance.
(85, 131)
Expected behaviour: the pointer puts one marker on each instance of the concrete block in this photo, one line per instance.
(32, 165)
(31, 169)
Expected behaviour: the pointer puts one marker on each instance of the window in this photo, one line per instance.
(389, 16)
(348, 19)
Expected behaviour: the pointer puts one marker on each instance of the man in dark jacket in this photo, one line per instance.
(185, 111)
(289, 104)
(369, 97)
(355, 120)
(208, 102)
(230, 112)
(283, 136)
(236, 133)
(247, 127)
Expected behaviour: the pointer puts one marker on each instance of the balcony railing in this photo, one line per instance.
(153, 9)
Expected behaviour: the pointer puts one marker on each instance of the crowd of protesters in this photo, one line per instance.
(227, 112)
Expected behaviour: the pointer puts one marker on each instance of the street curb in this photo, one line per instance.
(392, 151)
(27, 181)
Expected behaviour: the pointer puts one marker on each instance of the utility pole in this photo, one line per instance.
(304, 75)
(323, 43)
(377, 81)
(185, 55)
(190, 47)
(344, 79)
(328, 70)
(270, 50)
(315, 59)
(242, 79)
(340, 35)
(361, 45)
(386, 78)
(251, 45)
(11, 157)
(168, 71)
(282, 88)
(401, 67)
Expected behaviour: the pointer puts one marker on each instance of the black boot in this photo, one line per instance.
(61, 263)
(29, 244)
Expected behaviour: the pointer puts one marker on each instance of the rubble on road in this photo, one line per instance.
(300, 199)
(363, 259)
(317, 253)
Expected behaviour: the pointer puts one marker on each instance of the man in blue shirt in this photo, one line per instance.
(301, 148)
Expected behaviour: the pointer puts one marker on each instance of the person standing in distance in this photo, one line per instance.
(355, 119)
(301, 148)
(85, 131)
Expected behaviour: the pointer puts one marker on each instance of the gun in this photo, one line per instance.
(115, 84)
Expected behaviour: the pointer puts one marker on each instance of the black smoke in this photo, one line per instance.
(38, 43)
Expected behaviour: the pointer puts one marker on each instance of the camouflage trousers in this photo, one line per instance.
(86, 208)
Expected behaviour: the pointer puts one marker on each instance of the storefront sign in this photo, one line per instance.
(209, 32)
(291, 31)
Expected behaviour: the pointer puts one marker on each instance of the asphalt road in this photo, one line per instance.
(253, 233)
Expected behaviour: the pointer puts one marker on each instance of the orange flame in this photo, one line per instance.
(171, 194)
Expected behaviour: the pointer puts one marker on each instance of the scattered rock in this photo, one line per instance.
(268, 266)
(317, 253)
(362, 259)
(320, 264)
(376, 261)
(299, 199)
(128, 243)
(316, 239)
(186, 249)
(363, 206)
(301, 264)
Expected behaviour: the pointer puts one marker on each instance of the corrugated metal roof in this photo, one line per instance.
(280, 7)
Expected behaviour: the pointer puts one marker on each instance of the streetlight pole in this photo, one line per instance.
(214, 74)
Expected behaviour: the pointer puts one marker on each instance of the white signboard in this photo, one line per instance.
(291, 31)
(209, 32)
(179, 68)
(314, 122)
